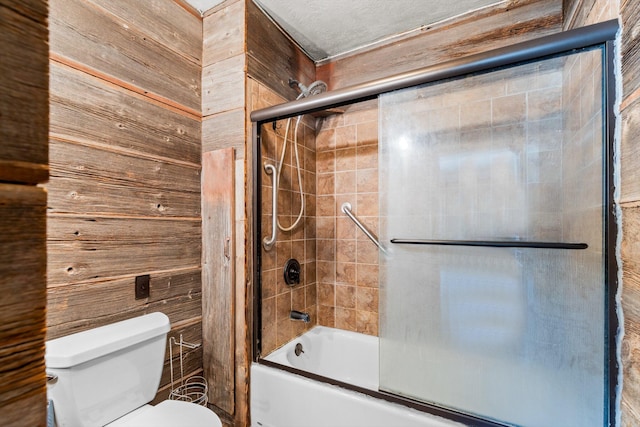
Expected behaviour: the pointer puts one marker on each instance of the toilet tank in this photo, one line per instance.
(106, 372)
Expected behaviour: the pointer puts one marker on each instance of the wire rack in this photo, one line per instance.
(193, 389)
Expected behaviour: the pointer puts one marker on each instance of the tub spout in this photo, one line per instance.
(298, 315)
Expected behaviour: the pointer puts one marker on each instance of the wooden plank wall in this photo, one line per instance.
(272, 58)
(23, 161)
(223, 78)
(224, 128)
(124, 192)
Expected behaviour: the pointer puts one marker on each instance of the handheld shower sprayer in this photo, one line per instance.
(314, 88)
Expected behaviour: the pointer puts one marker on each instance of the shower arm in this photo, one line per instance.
(346, 208)
(268, 242)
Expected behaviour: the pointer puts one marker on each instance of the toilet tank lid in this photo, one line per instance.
(81, 347)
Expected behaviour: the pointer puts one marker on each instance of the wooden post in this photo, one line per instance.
(218, 293)
(24, 124)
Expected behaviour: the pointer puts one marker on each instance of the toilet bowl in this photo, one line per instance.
(108, 375)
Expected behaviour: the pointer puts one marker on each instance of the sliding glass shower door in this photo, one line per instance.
(492, 194)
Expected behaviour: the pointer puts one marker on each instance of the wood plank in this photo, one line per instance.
(178, 309)
(224, 33)
(23, 172)
(630, 51)
(189, 8)
(87, 109)
(272, 58)
(630, 251)
(93, 248)
(504, 24)
(575, 12)
(23, 89)
(218, 285)
(94, 181)
(579, 13)
(78, 307)
(22, 234)
(630, 153)
(165, 21)
(93, 197)
(630, 46)
(22, 306)
(26, 411)
(244, 286)
(630, 351)
(223, 86)
(225, 130)
(89, 35)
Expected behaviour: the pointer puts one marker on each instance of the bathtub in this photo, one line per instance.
(284, 399)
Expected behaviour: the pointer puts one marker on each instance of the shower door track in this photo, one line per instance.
(601, 34)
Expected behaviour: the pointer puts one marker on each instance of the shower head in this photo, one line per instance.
(314, 88)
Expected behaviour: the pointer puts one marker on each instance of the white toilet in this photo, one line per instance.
(108, 375)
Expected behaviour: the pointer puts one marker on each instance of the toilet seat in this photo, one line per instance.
(169, 413)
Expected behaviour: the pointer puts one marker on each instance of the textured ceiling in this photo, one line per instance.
(328, 28)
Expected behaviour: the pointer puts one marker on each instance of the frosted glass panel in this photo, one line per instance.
(511, 334)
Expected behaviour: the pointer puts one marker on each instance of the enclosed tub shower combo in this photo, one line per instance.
(490, 298)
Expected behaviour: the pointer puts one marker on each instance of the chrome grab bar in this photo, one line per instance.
(346, 208)
(268, 242)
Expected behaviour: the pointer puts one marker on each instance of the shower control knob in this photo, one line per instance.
(292, 272)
